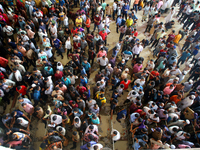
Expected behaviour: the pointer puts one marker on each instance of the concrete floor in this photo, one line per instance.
(38, 130)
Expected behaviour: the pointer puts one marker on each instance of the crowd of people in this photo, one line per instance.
(161, 96)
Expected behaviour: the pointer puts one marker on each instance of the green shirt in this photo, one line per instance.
(104, 6)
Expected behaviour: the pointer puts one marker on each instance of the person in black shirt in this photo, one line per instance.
(91, 55)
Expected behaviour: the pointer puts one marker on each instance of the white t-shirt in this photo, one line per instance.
(117, 137)
(100, 146)
(63, 130)
(48, 52)
(114, 6)
(24, 122)
(42, 54)
(58, 120)
(9, 30)
(68, 44)
(77, 125)
(66, 23)
(136, 50)
(73, 79)
(140, 82)
(53, 30)
(150, 66)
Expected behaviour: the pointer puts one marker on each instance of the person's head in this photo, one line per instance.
(54, 118)
(89, 144)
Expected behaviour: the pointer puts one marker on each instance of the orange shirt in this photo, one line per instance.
(175, 99)
(88, 22)
(136, 1)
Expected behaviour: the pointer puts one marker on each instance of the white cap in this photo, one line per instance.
(191, 81)
(187, 121)
(33, 85)
(190, 65)
(40, 30)
(123, 59)
(173, 146)
(109, 65)
(193, 96)
(177, 78)
(184, 72)
(126, 69)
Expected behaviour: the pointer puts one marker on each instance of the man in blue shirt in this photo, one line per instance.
(114, 82)
(57, 44)
(133, 16)
(36, 95)
(84, 80)
(125, 10)
(66, 81)
(184, 57)
(87, 67)
(83, 72)
(121, 115)
(88, 145)
(119, 22)
(49, 70)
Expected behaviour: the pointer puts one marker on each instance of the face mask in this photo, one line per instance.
(97, 16)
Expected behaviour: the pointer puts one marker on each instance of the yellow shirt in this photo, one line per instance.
(129, 22)
(78, 22)
(177, 38)
(61, 16)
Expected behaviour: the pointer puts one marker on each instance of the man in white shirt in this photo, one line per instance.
(53, 30)
(41, 34)
(97, 146)
(103, 61)
(61, 130)
(115, 135)
(8, 82)
(132, 95)
(90, 102)
(72, 78)
(16, 75)
(24, 38)
(9, 31)
(114, 9)
(39, 15)
(140, 81)
(48, 51)
(56, 119)
(92, 129)
(68, 46)
(66, 23)
(164, 6)
(20, 68)
(137, 49)
(22, 122)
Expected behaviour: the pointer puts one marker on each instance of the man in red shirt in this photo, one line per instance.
(58, 74)
(21, 90)
(81, 89)
(135, 33)
(103, 34)
(3, 62)
(154, 74)
(126, 83)
(97, 20)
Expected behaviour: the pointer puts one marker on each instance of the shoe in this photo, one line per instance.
(72, 147)
(119, 121)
